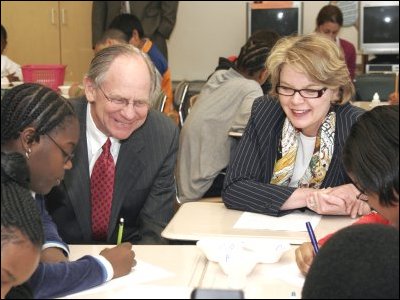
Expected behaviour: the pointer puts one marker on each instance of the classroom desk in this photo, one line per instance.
(196, 220)
(192, 269)
(266, 281)
(367, 104)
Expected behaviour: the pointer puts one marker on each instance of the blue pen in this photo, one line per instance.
(312, 237)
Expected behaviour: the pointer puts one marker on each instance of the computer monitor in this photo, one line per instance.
(379, 27)
(285, 21)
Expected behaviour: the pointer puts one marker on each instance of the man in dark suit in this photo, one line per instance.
(157, 17)
(142, 145)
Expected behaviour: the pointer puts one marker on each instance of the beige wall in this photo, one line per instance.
(205, 31)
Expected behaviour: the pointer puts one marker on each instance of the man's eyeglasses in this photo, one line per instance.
(67, 157)
(125, 102)
(305, 93)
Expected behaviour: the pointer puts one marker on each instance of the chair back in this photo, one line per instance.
(184, 107)
(180, 92)
(159, 102)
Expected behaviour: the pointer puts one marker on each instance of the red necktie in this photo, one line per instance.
(101, 189)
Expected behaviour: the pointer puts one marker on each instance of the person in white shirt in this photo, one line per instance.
(10, 71)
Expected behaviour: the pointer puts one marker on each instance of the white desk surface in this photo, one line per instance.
(192, 269)
(196, 220)
(185, 263)
(367, 104)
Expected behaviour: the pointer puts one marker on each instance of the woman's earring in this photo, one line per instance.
(28, 153)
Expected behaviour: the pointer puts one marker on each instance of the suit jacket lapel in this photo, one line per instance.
(129, 167)
(78, 179)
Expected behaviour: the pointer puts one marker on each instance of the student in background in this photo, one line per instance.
(358, 262)
(329, 22)
(125, 158)
(158, 18)
(42, 126)
(21, 228)
(373, 165)
(269, 37)
(109, 38)
(132, 27)
(10, 71)
(289, 154)
(224, 102)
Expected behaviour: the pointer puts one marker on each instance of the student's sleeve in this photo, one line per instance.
(52, 280)
(52, 238)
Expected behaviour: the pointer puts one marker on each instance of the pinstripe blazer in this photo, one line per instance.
(247, 186)
(144, 188)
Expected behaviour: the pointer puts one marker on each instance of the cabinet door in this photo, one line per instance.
(76, 38)
(32, 30)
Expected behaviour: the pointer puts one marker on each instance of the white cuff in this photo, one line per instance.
(56, 245)
(107, 267)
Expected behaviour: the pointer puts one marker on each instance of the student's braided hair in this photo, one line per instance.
(253, 56)
(18, 208)
(34, 105)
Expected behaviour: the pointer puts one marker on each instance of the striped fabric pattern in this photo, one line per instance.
(247, 186)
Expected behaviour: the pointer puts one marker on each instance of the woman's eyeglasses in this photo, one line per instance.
(305, 93)
(67, 157)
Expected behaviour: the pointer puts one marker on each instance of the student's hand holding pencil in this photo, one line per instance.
(304, 257)
(121, 257)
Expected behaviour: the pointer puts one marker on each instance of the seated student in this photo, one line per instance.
(21, 229)
(329, 21)
(269, 37)
(10, 71)
(290, 151)
(225, 99)
(358, 262)
(373, 165)
(42, 126)
(132, 27)
(111, 37)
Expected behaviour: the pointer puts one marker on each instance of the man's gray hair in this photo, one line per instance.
(102, 61)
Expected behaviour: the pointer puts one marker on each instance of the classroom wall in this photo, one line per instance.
(206, 30)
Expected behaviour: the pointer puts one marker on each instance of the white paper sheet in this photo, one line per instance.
(295, 221)
(142, 273)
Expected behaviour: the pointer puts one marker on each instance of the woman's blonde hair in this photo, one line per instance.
(316, 56)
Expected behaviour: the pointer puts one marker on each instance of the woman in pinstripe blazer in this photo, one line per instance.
(290, 154)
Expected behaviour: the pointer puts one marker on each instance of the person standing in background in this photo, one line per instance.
(157, 17)
(329, 22)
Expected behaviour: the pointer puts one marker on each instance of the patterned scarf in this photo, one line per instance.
(320, 160)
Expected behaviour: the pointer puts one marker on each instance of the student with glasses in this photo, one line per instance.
(41, 126)
(135, 144)
(289, 154)
(371, 159)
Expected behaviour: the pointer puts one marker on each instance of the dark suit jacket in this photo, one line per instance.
(144, 190)
(247, 186)
(157, 18)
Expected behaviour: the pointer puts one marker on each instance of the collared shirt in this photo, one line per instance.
(95, 141)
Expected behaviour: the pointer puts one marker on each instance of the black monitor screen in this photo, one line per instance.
(381, 24)
(284, 21)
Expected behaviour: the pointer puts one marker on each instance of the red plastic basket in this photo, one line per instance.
(51, 76)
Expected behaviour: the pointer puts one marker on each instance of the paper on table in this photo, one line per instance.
(143, 272)
(288, 272)
(295, 221)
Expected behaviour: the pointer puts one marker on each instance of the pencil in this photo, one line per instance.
(120, 230)
(312, 237)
